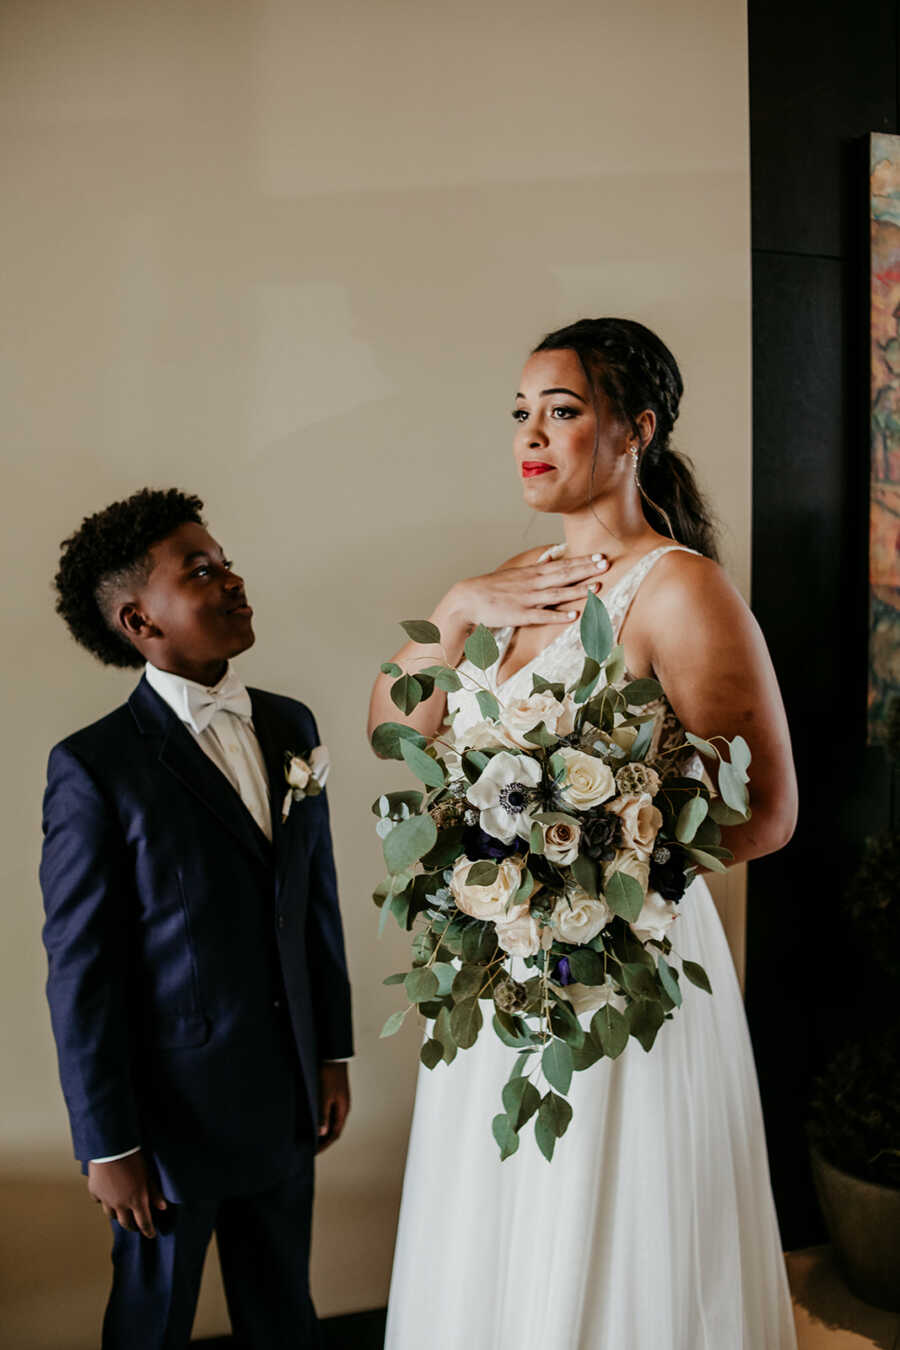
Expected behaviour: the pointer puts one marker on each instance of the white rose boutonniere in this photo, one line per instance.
(304, 777)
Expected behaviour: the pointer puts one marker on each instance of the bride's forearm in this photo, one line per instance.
(412, 657)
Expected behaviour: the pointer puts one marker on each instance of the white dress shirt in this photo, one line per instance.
(220, 720)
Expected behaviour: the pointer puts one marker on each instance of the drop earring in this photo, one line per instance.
(633, 451)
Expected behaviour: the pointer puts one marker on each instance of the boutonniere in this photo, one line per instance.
(305, 777)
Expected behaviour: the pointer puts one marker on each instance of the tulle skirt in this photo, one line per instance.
(652, 1229)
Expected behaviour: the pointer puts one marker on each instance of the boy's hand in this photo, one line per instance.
(334, 1102)
(127, 1192)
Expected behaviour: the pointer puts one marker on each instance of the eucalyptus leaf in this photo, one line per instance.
(584, 870)
(641, 743)
(526, 886)
(446, 974)
(565, 1024)
(596, 629)
(740, 756)
(431, 1054)
(479, 942)
(481, 648)
(448, 848)
(697, 975)
(639, 981)
(669, 981)
(421, 985)
(539, 735)
(615, 665)
(406, 692)
(512, 1031)
(393, 1024)
(539, 686)
(467, 982)
(466, 1022)
(390, 804)
(587, 680)
(474, 762)
(639, 692)
(556, 1112)
(444, 1034)
(726, 815)
(408, 841)
(422, 765)
(624, 895)
(706, 859)
(610, 1030)
(546, 1139)
(422, 631)
(644, 1022)
(690, 818)
(520, 1064)
(520, 1101)
(732, 788)
(556, 1063)
(704, 747)
(387, 736)
(390, 668)
(586, 966)
(505, 1135)
(396, 979)
(536, 839)
(490, 708)
(586, 1055)
(482, 873)
(447, 680)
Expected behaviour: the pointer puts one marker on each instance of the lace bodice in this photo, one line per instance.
(563, 658)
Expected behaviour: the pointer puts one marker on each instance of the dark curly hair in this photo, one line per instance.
(635, 370)
(109, 553)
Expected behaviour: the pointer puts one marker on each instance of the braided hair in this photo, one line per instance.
(635, 371)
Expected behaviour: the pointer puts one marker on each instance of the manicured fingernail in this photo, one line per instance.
(603, 565)
(573, 613)
(593, 587)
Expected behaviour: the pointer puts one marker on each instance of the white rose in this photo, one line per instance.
(641, 821)
(560, 840)
(578, 917)
(488, 902)
(587, 781)
(483, 735)
(587, 998)
(298, 773)
(522, 715)
(632, 864)
(519, 937)
(655, 919)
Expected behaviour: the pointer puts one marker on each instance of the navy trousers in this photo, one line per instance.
(263, 1243)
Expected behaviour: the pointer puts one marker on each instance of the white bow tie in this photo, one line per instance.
(230, 696)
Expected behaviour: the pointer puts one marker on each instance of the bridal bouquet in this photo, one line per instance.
(540, 865)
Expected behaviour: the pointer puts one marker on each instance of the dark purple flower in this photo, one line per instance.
(563, 971)
(668, 877)
(479, 844)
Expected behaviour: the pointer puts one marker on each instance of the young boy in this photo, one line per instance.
(197, 981)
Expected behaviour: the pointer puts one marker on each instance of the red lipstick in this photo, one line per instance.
(532, 467)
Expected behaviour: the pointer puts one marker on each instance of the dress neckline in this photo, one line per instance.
(509, 629)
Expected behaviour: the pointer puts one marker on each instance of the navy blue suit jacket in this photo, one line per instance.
(197, 976)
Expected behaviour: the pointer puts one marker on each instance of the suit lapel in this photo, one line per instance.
(180, 754)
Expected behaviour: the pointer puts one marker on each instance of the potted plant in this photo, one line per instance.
(854, 1125)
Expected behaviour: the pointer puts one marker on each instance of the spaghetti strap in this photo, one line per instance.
(631, 583)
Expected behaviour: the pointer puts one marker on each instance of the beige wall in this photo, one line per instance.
(290, 256)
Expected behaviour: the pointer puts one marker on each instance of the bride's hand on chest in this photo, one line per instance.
(525, 593)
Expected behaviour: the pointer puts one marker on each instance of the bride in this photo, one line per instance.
(654, 1226)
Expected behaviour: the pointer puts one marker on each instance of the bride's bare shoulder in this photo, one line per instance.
(689, 584)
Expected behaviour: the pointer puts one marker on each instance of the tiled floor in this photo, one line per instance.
(828, 1316)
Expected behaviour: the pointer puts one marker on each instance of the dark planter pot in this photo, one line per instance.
(863, 1221)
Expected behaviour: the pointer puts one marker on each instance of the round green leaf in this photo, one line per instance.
(690, 818)
(639, 692)
(387, 736)
(408, 841)
(431, 1054)
(596, 629)
(669, 980)
(586, 966)
(422, 765)
(644, 1021)
(556, 1063)
(624, 895)
(697, 975)
(610, 1030)
(481, 648)
(466, 1022)
(421, 985)
(422, 631)
(520, 1100)
(482, 873)
(394, 1023)
(406, 692)
(505, 1135)
(390, 668)
(467, 982)
(556, 1113)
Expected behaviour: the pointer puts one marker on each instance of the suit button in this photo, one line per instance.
(281, 921)
(276, 1003)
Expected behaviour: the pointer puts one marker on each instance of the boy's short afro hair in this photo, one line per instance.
(110, 550)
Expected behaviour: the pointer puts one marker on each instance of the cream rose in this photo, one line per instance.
(641, 821)
(586, 782)
(519, 937)
(522, 715)
(632, 864)
(483, 736)
(655, 919)
(488, 902)
(298, 773)
(560, 840)
(578, 917)
(587, 998)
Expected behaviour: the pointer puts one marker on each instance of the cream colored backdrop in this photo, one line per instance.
(290, 256)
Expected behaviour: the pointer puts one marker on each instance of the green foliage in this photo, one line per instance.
(423, 765)
(422, 631)
(481, 648)
(644, 1021)
(466, 1022)
(610, 1030)
(556, 1063)
(407, 693)
(697, 975)
(431, 1054)
(596, 629)
(505, 1135)
(855, 1110)
(490, 708)
(624, 896)
(408, 841)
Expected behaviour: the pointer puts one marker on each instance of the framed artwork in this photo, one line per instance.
(884, 492)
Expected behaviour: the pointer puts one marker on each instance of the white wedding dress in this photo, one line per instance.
(654, 1227)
